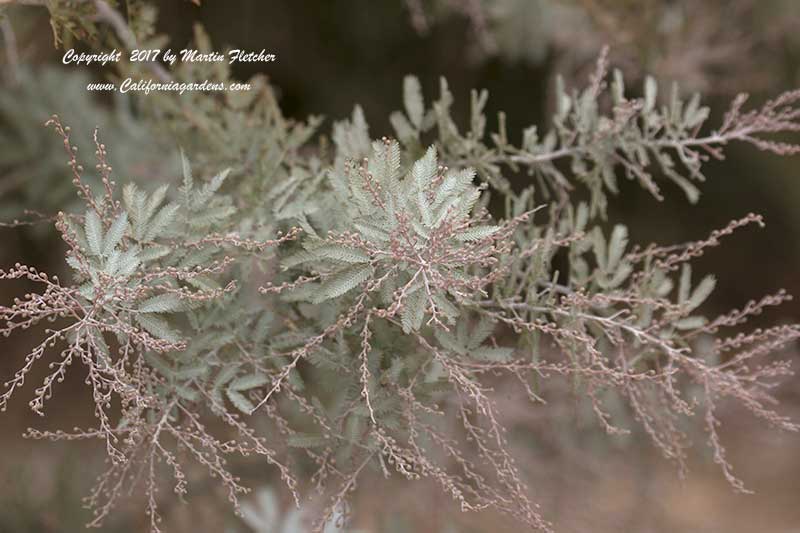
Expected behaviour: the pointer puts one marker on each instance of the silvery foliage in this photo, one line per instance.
(353, 299)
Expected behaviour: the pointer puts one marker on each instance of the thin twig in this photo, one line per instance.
(113, 18)
(12, 52)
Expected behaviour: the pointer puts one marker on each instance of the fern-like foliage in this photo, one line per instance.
(31, 165)
(355, 299)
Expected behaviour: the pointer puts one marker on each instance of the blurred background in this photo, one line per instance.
(332, 54)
